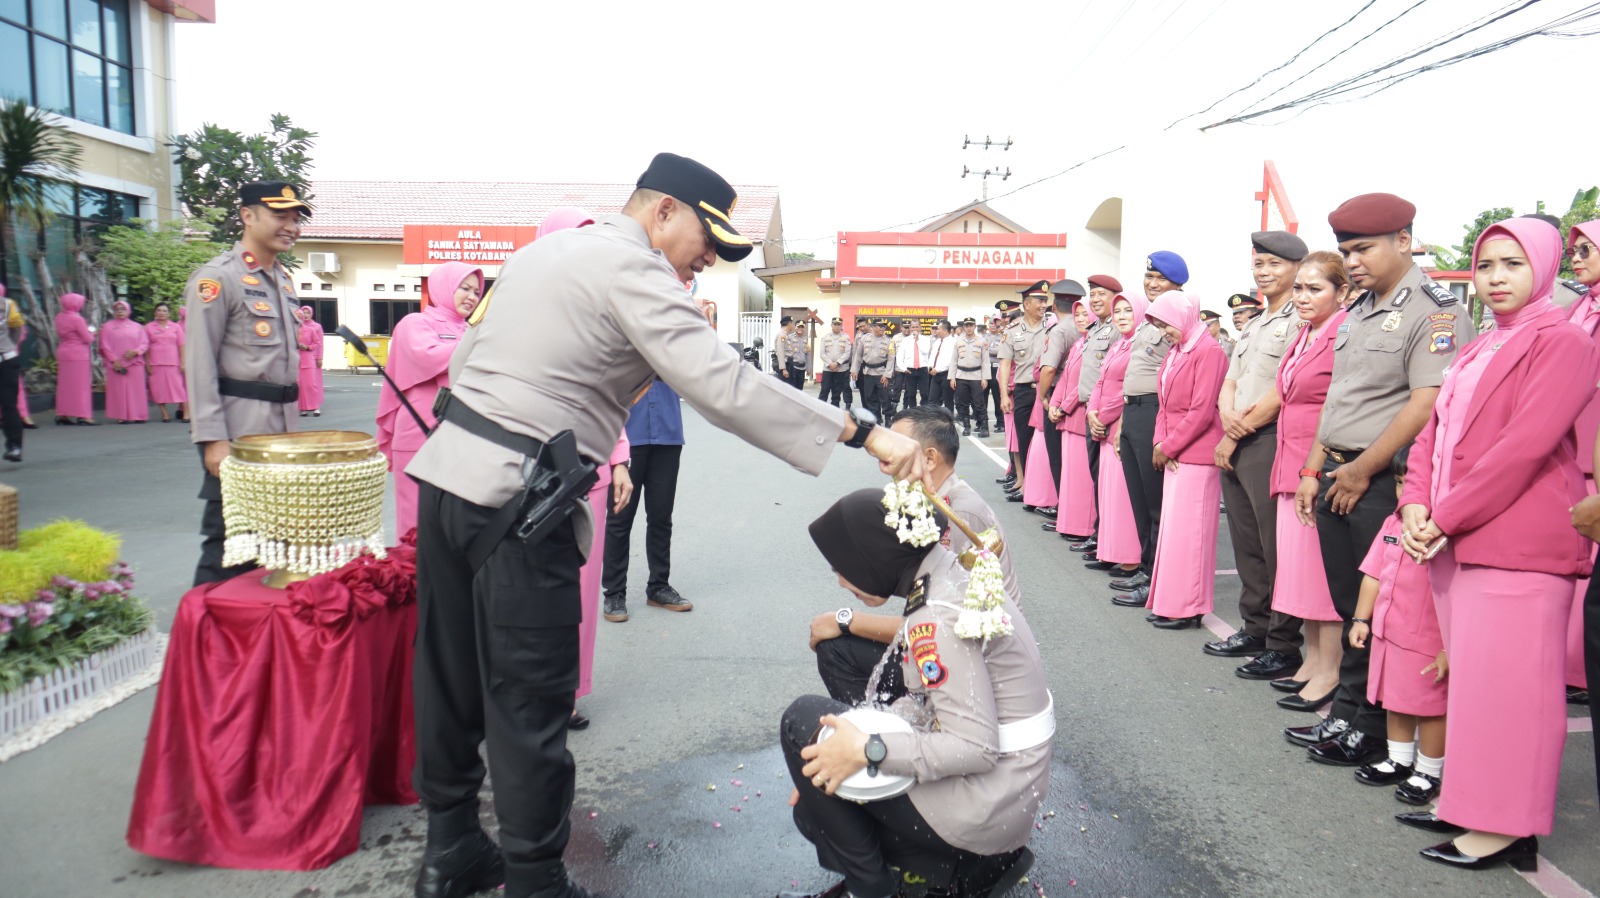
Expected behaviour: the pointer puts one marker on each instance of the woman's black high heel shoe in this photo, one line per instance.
(1522, 855)
(1176, 623)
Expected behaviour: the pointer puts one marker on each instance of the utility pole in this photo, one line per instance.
(986, 144)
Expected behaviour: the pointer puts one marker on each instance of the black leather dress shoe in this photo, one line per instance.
(1317, 733)
(1429, 821)
(1577, 695)
(1134, 580)
(456, 869)
(1268, 666)
(1017, 497)
(1296, 703)
(1008, 479)
(1382, 773)
(1136, 599)
(1239, 645)
(1409, 793)
(1176, 623)
(1046, 511)
(837, 890)
(1087, 545)
(1522, 855)
(1049, 527)
(1093, 563)
(1352, 749)
(1288, 684)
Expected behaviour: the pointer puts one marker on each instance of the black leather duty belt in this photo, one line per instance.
(259, 390)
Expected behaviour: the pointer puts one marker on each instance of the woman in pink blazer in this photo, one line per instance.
(1188, 429)
(1583, 244)
(1493, 477)
(1075, 506)
(1118, 536)
(1300, 588)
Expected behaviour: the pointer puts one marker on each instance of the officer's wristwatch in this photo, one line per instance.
(843, 617)
(864, 421)
(876, 751)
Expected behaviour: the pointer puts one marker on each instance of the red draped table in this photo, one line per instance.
(281, 714)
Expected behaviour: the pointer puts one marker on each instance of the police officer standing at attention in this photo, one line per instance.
(834, 353)
(1059, 337)
(1249, 407)
(242, 360)
(863, 330)
(1163, 271)
(1389, 358)
(994, 336)
(970, 379)
(1103, 290)
(873, 369)
(798, 351)
(1018, 355)
(502, 512)
(786, 331)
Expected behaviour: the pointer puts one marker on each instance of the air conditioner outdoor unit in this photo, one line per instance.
(323, 263)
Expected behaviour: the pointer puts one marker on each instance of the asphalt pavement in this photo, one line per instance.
(1170, 776)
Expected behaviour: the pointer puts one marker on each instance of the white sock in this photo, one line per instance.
(1402, 754)
(1431, 766)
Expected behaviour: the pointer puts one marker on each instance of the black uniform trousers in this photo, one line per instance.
(940, 392)
(845, 664)
(1345, 540)
(910, 388)
(836, 386)
(1591, 647)
(10, 415)
(1253, 530)
(875, 395)
(1145, 483)
(496, 662)
(797, 376)
(1023, 397)
(972, 403)
(1094, 475)
(993, 392)
(1052, 447)
(654, 470)
(212, 531)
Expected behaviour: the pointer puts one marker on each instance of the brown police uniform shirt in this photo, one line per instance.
(970, 507)
(993, 341)
(1058, 339)
(1144, 361)
(605, 314)
(874, 356)
(972, 359)
(795, 353)
(1385, 348)
(1022, 346)
(1100, 335)
(241, 325)
(1262, 345)
(834, 350)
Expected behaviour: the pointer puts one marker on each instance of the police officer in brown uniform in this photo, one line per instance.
(1103, 290)
(1249, 408)
(241, 358)
(1018, 354)
(873, 368)
(1059, 337)
(994, 335)
(971, 379)
(502, 510)
(797, 349)
(834, 353)
(1389, 358)
(1163, 271)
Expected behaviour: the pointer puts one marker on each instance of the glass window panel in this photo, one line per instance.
(86, 24)
(14, 64)
(328, 315)
(60, 199)
(15, 10)
(119, 37)
(379, 316)
(130, 206)
(119, 93)
(52, 89)
(50, 16)
(88, 88)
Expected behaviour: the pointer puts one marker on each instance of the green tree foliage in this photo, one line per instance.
(796, 258)
(36, 157)
(154, 263)
(1457, 258)
(216, 162)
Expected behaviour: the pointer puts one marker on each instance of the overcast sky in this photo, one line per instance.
(857, 110)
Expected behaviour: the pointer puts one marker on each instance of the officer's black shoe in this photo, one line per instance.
(1577, 695)
(983, 433)
(459, 867)
(1268, 665)
(616, 609)
(668, 598)
(1006, 479)
(1088, 545)
(1000, 427)
(1316, 733)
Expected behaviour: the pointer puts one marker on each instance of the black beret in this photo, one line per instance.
(1282, 244)
(1370, 214)
(786, 319)
(1068, 287)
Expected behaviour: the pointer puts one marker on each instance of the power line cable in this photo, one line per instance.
(1341, 53)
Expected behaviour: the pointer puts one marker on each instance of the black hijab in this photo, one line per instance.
(864, 550)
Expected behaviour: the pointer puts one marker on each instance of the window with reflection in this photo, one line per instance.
(71, 57)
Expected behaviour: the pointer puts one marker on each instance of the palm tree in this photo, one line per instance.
(35, 156)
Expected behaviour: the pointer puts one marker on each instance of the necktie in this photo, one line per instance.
(937, 345)
(916, 352)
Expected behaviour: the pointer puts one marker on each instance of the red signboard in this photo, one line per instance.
(934, 257)
(475, 244)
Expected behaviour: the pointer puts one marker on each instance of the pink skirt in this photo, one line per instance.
(73, 389)
(1038, 487)
(1185, 573)
(1395, 680)
(1011, 433)
(166, 385)
(1075, 505)
(1505, 632)
(126, 399)
(1118, 537)
(405, 492)
(1301, 586)
(310, 387)
(589, 582)
(1576, 674)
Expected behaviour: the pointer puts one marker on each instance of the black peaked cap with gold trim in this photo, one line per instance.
(706, 192)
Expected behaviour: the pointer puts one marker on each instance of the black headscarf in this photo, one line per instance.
(864, 550)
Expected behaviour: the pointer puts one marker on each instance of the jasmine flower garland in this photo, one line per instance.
(909, 513)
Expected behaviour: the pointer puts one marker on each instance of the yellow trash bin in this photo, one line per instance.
(376, 344)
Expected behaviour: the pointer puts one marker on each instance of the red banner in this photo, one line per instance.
(478, 245)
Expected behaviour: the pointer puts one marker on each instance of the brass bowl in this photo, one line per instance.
(309, 447)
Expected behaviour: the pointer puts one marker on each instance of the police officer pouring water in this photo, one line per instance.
(519, 434)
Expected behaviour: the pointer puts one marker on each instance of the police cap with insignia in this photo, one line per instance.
(1006, 305)
(1037, 288)
(838, 321)
(703, 191)
(1068, 287)
(1282, 244)
(1169, 265)
(1370, 215)
(275, 195)
(968, 320)
(1243, 301)
(1106, 281)
(1208, 315)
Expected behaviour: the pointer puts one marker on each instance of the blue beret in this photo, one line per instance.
(1169, 265)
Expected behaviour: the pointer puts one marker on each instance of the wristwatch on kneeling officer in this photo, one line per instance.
(876, 751)
(843, 617)
(864, 421)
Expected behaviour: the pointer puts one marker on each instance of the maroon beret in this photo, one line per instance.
(1106, 281)
(1370, 214)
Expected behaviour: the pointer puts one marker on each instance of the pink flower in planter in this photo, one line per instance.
(46, 595)
(39, 612)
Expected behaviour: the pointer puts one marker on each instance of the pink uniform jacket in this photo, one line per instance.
(1517, 472)
(1302, 397)
(1188, 425)
(1404, 614)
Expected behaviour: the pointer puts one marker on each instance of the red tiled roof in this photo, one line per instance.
(377, 210)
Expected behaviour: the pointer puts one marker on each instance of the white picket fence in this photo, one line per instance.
(759, 324)
(45, 697)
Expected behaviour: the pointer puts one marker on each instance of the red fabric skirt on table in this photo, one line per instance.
(281, 713)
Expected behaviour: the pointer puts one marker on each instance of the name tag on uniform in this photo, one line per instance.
(1392, 540)
(447, 336)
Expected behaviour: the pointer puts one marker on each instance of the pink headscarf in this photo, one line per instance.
(120, 306)
(1542, 245)
(309, 312)
(420, 350)
(1590, 229)
(563, 217)
(1122, 344)
(70, 302)
(1181, 310)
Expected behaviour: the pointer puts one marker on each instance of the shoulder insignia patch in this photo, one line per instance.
(925, 654)
(1579, 288)
(1441, 296)
(918, 596)
(1442, 342)
(252, 280)
(208, 289)
(263, 329)
(1401, 297)
(250, 260)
